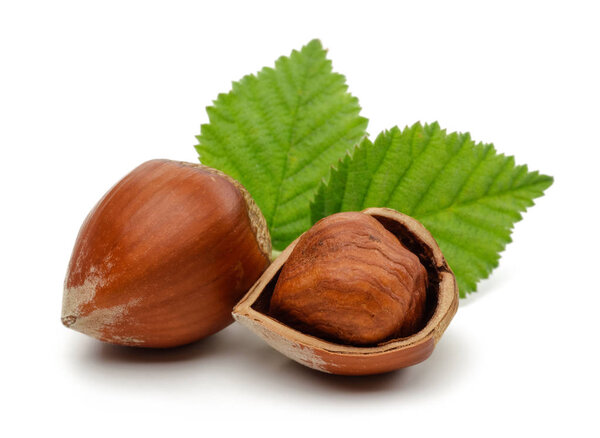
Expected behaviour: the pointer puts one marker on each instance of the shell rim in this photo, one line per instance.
(445, 308)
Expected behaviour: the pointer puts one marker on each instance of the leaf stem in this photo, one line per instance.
(274, 254)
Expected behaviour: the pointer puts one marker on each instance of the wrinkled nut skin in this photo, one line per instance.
(351, 281)
(164, 256)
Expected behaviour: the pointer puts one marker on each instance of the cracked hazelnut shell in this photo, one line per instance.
(314, 351)
(164, 256)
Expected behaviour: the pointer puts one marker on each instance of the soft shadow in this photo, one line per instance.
(497, 281)
(442, 370)
(235, 357)
(106, 355)
(346, 384)
(109, 353)
(446, 367)
(182, 370)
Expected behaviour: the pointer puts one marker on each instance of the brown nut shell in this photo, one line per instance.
(164, 256)
(331, 357)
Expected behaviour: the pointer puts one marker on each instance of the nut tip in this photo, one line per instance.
(69, 320)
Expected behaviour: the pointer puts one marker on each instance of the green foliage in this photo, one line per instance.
(466, 194)
(279, 131)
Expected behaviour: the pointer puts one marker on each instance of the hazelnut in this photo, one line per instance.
(352, 305)
(164, 256)
(351, 281)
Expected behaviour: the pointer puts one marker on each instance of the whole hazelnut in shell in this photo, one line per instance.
(164, 256)
(351, 281)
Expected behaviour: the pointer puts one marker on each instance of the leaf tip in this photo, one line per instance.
(315, 44)
(547, 180)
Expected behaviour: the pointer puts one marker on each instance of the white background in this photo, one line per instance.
(89, 90)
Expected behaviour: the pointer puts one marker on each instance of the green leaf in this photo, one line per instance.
(279, 131)
(466, 194)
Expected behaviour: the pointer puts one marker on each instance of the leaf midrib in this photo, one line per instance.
(290, 144)
(475, 201)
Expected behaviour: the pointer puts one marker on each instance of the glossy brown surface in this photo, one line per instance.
(351, 281)
(323, 355)
(164, 256)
